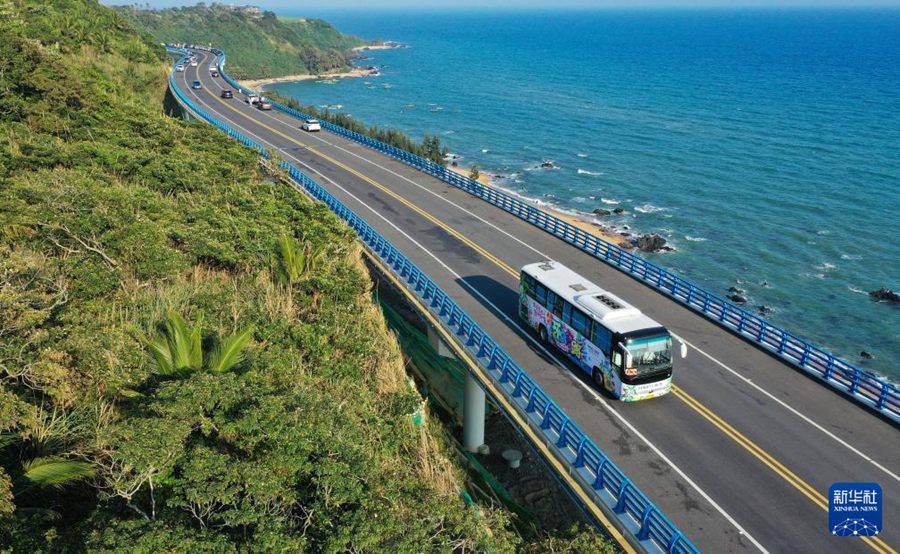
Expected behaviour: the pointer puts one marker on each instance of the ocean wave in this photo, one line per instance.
(857, 290)
(580, 155)
(484, 150)
(451, 132)
(649, 209)
(854, 257)
(695, 239)
(825, 266)
(592, 173)
(610, 201)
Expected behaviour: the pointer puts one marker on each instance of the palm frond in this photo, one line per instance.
(231, 352)
(56, 472)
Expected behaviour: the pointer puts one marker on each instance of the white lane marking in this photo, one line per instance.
(791, 409)
(607, 407)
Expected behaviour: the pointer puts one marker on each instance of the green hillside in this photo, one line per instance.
(190, 358)
(259, 44)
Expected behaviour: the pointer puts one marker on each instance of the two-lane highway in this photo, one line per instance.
(740, 456)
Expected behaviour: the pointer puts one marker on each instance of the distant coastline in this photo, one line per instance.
(350, 74)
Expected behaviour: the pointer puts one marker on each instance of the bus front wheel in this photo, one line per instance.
(542, 331)
(599, 378)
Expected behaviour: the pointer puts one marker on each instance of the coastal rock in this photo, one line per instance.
(762, 309)
(736, 290)
(866, 355)
(885, 294)
(601, 212)
(619, 211)
(651, 243)
(737, 298)
(628, 245)
(547, 164)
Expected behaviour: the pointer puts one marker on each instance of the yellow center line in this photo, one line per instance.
(767, 459)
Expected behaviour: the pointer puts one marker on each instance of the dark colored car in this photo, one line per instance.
(196, 85)
(227, 94)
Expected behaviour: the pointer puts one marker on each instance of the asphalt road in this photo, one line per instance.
(740, 456)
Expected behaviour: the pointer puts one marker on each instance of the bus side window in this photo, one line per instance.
(567, 313)
(557, 304)
(527, 284)
(601, 337)
(581, 323)
(541, 295)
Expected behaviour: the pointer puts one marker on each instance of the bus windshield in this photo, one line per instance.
(650, 354)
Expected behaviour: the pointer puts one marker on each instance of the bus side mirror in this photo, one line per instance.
(683, 349)
(628, 360)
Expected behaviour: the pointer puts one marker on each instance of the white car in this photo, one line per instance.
(179, 68)
(251, 99)
(310, 125)
(193, 63)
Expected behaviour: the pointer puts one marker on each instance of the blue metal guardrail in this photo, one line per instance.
(593, 469)
(861, 385)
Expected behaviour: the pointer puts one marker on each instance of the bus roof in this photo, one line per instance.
(603, 306)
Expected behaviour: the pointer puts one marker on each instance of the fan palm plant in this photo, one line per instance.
(296, 260)
(178, 351)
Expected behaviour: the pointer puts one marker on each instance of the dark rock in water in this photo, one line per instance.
(628, 245)
(885, 294)
(762, 309)
(454, 164)
(865, 355)
(625, 234)
(650, 243)
(601, 212)
(626, 227)
(737, 298)
(619, 211)
(765, 284)
(547, 164)
(736, 290)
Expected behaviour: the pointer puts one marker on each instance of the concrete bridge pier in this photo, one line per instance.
(473, 415)
(473, 399)
(436, 342)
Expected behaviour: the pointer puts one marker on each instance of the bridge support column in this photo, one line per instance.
(473, 415)
(436, 342)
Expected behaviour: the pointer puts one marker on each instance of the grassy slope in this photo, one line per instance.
(110, 215)
(258, 46)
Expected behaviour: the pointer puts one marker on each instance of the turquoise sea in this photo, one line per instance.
(763, 144)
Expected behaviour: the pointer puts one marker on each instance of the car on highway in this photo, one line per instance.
(251, 99)
(179, 68)
(193, 63)
(264, 105)
(310, 125)
(196, 85)
(213, 73)
(227, 94)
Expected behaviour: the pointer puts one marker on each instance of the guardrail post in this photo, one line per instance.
(645, 523)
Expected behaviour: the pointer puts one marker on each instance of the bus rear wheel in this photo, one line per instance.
(542, 331)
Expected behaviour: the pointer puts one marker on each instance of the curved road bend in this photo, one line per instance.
(740, 456)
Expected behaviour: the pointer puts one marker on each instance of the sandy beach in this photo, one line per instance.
(353, 73)
(582, 223)
(383, 46)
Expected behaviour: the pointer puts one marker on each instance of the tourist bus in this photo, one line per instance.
(626, 352)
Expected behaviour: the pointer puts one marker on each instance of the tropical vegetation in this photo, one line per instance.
(190, 356)
(260, 45)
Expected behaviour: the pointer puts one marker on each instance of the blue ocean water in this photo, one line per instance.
(765, 145)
